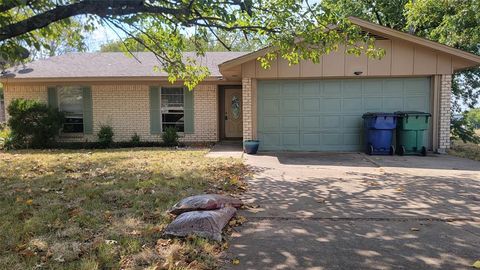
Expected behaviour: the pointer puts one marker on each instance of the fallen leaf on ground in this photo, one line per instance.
(235, 261)
(476, 264)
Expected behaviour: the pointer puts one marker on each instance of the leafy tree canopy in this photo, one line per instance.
(229, 41)
(298, 29)
(473, 117)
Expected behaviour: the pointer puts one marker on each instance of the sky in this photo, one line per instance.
(100, 36)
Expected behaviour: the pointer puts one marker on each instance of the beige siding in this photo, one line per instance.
(125, 107)
(272, 72)
(444, 64)
(401, 59)
(383, 66)
(310, 69)
(355, 63)
(333, 64)
(424, 61)
(286, 70)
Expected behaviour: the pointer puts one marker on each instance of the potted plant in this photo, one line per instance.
(251, 146)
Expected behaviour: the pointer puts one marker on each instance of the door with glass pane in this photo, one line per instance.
(233, 113)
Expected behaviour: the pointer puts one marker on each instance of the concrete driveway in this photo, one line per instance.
(350, 211)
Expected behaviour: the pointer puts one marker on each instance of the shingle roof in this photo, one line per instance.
(111, 64)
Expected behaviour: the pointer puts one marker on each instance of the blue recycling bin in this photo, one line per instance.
(379, 128)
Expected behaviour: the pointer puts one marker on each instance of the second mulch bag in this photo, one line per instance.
(203, 215)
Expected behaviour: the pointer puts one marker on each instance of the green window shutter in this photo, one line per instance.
(155, 120)
(52, 97)
(87, 111)
(189, 111)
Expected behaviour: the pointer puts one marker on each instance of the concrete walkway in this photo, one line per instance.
(226, 149)
(350, 211)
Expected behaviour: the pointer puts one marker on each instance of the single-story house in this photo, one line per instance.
(304, 107)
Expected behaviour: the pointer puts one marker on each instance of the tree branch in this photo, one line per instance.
(7, 5)
(100, 8)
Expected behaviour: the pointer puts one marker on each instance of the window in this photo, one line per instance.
(172, 108)
(70, 102)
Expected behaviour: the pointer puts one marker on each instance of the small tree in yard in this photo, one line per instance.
(170, 137)
(33, 124)
(105, 136)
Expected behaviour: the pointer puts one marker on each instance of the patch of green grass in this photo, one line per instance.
(466, 150)
(104, 208)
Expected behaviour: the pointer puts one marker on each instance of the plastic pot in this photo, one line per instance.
(251, 146)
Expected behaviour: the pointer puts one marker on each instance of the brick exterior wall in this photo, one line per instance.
(247, 90)
(34, 92)
(445, 110)
(205, 104)
(125, 107)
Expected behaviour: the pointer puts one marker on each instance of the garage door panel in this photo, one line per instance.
(372, 88)
(270, 90)
(291, 139)
(311, 139)
(272, 123)
(416, 86)
(415, 103)
(290, 89)
(393, 104)
(328, 105)
(352, 89)
(290, 123)
(325, 115)
(352, 105)
(271, 140)
(352, 122)
(290, 105)
(310, 123)
(331, 121)
(332, 139)
(271, 106)
(393, 88)
(353, 139)
(373, 104)
(311, 104)
(332, 89)
(311, 88)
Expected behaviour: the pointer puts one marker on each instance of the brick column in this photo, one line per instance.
(444, 113)
(247, 109)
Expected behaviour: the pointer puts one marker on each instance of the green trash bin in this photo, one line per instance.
(411, 128)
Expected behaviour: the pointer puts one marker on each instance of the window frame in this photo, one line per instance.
(80, 88)
(161, 106)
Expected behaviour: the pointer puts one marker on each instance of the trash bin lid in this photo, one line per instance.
(377, 114)
(411, 113)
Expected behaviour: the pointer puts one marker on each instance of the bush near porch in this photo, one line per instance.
(105, 209)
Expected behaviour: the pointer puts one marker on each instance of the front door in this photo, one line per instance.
(233, 113)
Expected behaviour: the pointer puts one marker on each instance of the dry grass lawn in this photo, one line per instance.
(105, 209)
(466, 150)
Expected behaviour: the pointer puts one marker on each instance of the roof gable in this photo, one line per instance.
(467, 59)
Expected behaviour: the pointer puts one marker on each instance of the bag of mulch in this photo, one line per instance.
(208, 224)
(204, 202)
